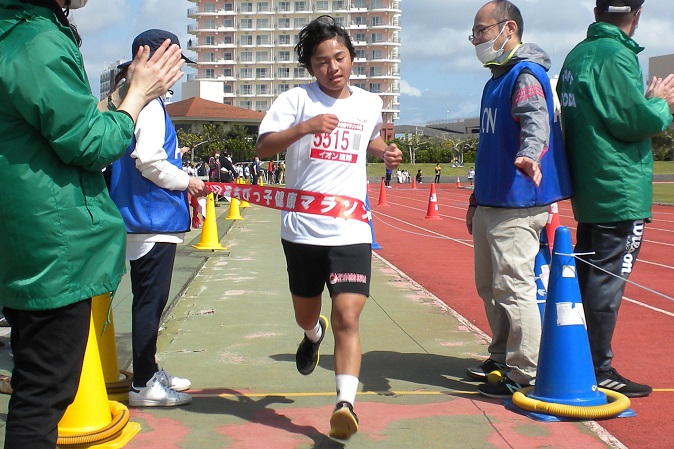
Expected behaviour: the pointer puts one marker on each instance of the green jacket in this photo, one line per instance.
(608, 124)
(62, 239)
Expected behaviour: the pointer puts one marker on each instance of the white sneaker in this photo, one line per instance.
(155, 394)
(173, 382)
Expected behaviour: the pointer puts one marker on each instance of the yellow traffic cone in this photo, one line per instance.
(116, 382)
(234, 213)
(209, 230)
(242, 203)
(91, 420)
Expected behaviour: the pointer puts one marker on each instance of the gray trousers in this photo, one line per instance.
(506, 242)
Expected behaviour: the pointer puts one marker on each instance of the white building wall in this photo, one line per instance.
(245, 49)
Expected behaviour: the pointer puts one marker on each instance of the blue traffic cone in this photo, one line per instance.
(566, 386)
(542, 272)
(565, 370)
(375, 245)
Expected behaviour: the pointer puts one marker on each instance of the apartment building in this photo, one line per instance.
(107, 78)
(245, 49)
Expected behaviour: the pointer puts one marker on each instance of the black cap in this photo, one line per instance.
(618, 6)
(153, 39)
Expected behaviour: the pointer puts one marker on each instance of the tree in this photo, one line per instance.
(203, 144)
(240, 143)
(663, 146)
(468, 148)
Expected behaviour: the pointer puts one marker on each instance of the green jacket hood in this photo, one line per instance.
(603, 30)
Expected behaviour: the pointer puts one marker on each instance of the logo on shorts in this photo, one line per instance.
(336, 278)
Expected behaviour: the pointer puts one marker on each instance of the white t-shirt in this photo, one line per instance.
(328, 164)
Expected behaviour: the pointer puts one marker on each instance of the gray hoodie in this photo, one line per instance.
(531, 110)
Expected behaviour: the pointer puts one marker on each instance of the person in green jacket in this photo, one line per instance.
(608, 123)
(63, 239)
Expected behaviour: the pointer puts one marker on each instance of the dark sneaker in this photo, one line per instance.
(501, 390)
(306, 357)
(343, 422)
(611, 380)
(481, 372)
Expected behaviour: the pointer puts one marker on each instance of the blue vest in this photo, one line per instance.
(498, 183)
(145, 207)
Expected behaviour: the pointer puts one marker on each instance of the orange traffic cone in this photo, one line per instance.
(234, 213)
(209, 232)
(414, 182)
(382, 194)
(92, 419)
(553, 223)
(458, 182)
(116, 382)
(433, 212)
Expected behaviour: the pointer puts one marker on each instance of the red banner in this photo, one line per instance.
(294, 200)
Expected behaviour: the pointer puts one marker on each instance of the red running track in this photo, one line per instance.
(438, 254)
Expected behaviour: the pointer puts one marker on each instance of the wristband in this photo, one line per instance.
(111, 105)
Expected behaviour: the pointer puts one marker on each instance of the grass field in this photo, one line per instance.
(662, 193)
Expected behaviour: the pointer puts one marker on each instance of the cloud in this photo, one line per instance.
(438, 64)
(108, 28)
(407, 89)
(437, 58)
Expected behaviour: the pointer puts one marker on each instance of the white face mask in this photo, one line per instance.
(76, 4)
(485, 51)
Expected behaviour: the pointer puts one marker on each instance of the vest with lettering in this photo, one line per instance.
(498, 182)
(145, 207)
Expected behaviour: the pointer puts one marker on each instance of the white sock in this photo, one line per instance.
(315, 333)
(347, 387)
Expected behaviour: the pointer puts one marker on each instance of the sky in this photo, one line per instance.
(441, 78)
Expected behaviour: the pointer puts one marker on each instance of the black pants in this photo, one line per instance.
(48, 349)
(616, 247)
(150, 285)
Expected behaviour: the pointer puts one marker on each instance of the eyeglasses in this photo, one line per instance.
(477, 34)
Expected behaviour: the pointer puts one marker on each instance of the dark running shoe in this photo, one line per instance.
(611, 380)
(481, 372)
(501, 390)
(307, 356)
(343, 422)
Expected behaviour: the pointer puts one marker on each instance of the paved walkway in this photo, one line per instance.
(230, 330)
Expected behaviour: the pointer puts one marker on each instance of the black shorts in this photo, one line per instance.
(345, 269)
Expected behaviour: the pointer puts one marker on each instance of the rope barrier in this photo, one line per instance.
(576, 256)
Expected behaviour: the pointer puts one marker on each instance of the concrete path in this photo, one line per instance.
(230, 330)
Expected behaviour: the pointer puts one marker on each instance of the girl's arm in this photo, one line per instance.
(391, 155)
(272, 143)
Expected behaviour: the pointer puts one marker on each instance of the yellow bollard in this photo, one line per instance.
(116, 382)
(234, 213)
(209, 230)
(91, 420)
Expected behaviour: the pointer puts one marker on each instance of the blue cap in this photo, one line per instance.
(153, 39)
